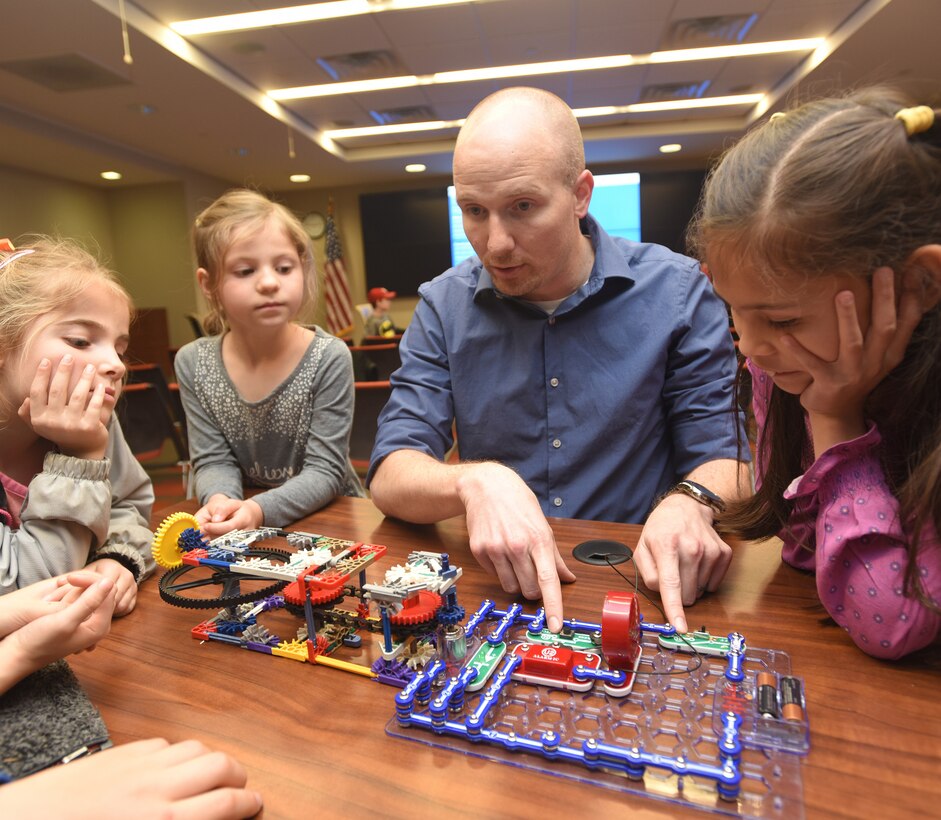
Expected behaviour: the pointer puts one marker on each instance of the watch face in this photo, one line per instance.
(315, 224)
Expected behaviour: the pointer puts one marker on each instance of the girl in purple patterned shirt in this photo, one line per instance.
(822, 231)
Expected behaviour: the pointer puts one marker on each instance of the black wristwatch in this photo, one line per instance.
(702, 494)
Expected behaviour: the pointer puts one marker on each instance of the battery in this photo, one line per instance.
(792, 702)
(767, 695)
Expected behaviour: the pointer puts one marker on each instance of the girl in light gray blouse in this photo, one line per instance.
(268, 403)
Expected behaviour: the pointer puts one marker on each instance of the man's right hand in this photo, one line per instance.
(510, 537)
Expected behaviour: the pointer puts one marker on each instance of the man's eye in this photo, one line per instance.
(524, 206)
(782, 323)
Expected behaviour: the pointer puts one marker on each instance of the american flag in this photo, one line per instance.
(336, 287)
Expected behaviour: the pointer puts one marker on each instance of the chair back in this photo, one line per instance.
(361, 313)
(196, 325)
(382, 340)
(148, 373)
(147, 423)
(371, 397)
(373, 363)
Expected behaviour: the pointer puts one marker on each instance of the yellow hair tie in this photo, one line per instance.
(777, 115)
(916, 120)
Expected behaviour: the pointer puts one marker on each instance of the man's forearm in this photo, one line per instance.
(726, 477)
(415, 487)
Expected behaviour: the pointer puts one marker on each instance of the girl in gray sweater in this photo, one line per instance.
(268, 403)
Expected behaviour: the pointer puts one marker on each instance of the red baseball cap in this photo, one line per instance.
(375, 294)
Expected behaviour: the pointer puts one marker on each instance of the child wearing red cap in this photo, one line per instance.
(379, 323)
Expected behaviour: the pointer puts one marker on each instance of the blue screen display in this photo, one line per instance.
(615, 203)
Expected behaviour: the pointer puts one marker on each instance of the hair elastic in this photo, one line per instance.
(777, 115)
(14, 256)
(916, 120)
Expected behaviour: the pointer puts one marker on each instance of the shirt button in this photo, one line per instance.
(552, 320)
(554, 381)
(557, 501)
(557, 443)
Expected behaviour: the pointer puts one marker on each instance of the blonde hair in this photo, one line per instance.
(32, 285)
(236, 213)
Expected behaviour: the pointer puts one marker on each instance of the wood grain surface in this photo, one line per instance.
(313, 739)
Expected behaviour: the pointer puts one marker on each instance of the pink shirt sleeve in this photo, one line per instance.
(846, 528)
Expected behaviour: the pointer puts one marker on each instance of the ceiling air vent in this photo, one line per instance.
(65, 72)
(664, 92)
(700, 32)
(362, 65)
(411, 113)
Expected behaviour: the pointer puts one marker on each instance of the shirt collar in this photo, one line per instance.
(609, 265)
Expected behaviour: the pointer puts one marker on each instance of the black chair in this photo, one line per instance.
(147, 423)
(373, 363)
(381, 340)
(196, 325)
(147, 373)
(371, 397)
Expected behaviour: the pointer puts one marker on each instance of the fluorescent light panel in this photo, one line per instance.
(534, 69)
(300, 14)
(580, 113)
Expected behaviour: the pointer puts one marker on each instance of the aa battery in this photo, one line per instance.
(792, 702)
(767, 695)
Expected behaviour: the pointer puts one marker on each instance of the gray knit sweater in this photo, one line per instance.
(294, 441)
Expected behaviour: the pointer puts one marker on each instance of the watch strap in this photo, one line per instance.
(700, 493)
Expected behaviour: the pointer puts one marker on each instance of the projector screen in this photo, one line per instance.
(615, 203)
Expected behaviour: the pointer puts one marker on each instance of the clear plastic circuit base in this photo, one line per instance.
(674, 712)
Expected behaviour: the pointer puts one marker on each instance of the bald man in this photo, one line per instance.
(587, 376)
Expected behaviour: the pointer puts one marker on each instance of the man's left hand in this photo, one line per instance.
(680, 554)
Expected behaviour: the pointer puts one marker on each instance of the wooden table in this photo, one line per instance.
(314, 743)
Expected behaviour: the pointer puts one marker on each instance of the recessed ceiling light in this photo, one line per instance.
(300, 177)
(111, 175)
(580, 113)
(415, 168)
(538, 69)
(670, 148)
(300, 14)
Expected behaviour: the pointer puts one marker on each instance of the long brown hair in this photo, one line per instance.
(838, 186)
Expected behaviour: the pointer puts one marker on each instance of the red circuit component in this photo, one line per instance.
(620, 630)
(547, 661)
(553, 666)
(417, 609)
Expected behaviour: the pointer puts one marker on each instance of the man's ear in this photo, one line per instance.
(584, 185)
(925, 264)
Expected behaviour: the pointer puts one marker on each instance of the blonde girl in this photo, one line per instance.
(73, 494)
(269, 403)
(822, 231)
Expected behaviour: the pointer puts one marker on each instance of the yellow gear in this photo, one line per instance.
(165, 546)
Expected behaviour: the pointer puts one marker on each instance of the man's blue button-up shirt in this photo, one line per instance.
(600, 407)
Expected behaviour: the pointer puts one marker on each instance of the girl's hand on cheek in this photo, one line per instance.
(71, 421)
(839, 388)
